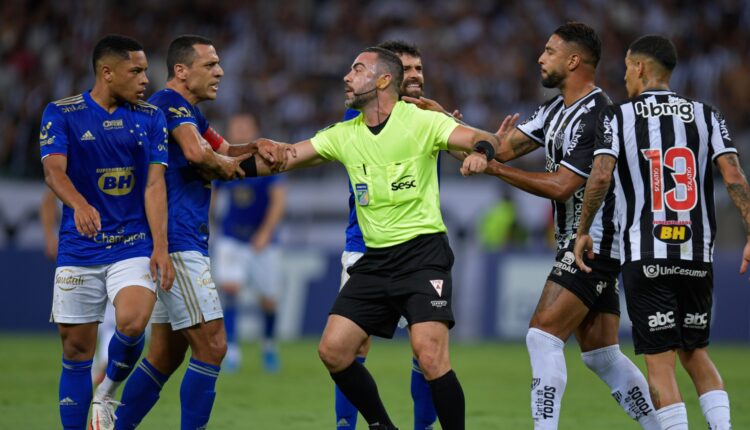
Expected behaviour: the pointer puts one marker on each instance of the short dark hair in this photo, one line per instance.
(657, 47)
(114, 44)
(583, 36)
(391, 62)
(181, 51)
(399, 47)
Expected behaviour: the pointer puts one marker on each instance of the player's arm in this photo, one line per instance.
(275, 154)
(559, 185)
(513, 142)
(596, 189)
(301, 154)
(155, 201)
(198, 151)
(48, 216)
(86, 217)
(276, 206)
(739, 192)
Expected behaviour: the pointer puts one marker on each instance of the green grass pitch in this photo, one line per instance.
(495, 379)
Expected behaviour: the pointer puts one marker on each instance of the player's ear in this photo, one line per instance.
(180, 71)
(106, 71)
(574, 61)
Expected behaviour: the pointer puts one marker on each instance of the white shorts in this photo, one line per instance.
(348, 258)
(236, 262)
(81, 292)
(193, 298)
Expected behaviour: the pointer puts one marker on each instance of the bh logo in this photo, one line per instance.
(117, 182)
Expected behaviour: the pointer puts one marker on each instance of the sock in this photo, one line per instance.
(230, 317)
(626, 383)
(450, 404)
(549, 377)
(197, 394)
(715, 407)
(673, 417)
(424, 409)
(75, 393)
(346, 413)
(358, 386)
(139, 395)
(269, 327)
(124, 352)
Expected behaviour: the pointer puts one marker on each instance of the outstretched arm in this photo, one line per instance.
(596, 189)
(739, 192)
(558, 185)
(301, 154)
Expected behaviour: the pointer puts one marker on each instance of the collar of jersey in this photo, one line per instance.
(658, 92)
(590, 93)
(91, 102)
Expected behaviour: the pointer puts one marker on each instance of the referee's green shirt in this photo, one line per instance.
(394, 173)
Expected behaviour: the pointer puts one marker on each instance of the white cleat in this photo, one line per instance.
(103, 414)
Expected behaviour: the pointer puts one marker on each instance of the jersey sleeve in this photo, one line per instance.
(441, 128)
(607, 138)
(53, 138)
(178, 111)
(580, 152)
(326, 142)
(157, 137)
(533, 126)
(721, 142)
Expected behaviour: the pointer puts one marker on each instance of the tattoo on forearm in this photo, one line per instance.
(740, 195)
(523, 147)
(596, 190)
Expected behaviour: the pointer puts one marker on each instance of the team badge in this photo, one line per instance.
(437, 284)
(362, 195)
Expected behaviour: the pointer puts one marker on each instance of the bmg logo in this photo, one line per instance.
(117, 182)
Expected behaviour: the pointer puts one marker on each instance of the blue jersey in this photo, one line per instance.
(108, 157)
(354, 240)
(248, 205)
(189, 195)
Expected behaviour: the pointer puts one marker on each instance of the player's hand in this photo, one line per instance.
(745, 258)
(229, 167)
(274, 153)
(162, 270)
(584, 244)
(426, 104)
(87, 219)
(508, 124)
(458, 115)
(474, 163)
(260, 240)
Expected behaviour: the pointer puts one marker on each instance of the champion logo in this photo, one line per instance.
(437, 284)
(88, 136)
(68, 402)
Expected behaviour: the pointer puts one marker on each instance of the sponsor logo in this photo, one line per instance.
(660, 321)
(545, 402)
(439, 303)
(600, 287)
(437, 284)
(68, 402)
(535, 382)
(675, 107)
(550, 165)
(117, 181)
(205, 280)
(404, 183)
(696, 320)
(342, 423)
(672, 234)
(723, 128)
(87, 136)
(636, 404)
(67, 280)
(180, 112)
(617, 395)
(112, 124)
(568, 258)
(73, 108)
(574, 139)
(607, 130)
(655, 270)
(44, 137)
(362, 194)
(120, 364)
(112, 239)
(566, 263)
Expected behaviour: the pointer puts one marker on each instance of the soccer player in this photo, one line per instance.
(104, 155)
(190, 313)
(247, 251)
(424, 410)
(390, 153)
(572, 302)
(661, 147)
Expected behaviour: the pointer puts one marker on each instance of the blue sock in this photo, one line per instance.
(139, 395)
(197, 394)
(230, 317)
(124, 352)
(269, 318)
(424, 408)
(346, 413)
(75, 393)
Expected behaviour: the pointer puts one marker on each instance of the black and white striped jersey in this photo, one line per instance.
(568, 135)
(664, 144)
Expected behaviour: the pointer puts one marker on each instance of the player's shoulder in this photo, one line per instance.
(69, 105)
(145, 108)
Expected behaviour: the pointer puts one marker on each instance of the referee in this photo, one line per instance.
(661, 146)
(390, 153)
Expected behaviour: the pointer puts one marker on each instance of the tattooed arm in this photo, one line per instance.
(596, 188)
(739, 192)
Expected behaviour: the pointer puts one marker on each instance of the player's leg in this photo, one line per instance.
(266, 276)
(713, 399)
(77, 307)
(231, 264)
(166, 352)
(105, 333)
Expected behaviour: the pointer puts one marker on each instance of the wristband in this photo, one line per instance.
(251, 170)
(486, 148)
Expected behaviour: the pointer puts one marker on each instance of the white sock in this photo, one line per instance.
(549, 378)
(106, 389)
(673, 417)
(626, 383)
(715, 407)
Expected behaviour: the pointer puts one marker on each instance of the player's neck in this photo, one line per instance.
(104, 98)
(378, 110)
(654, 85)
(182, 89)
(575, 89)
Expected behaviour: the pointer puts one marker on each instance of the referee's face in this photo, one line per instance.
(360, 83)
(552, 62)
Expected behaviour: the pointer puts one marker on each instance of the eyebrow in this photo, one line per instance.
(358, 64)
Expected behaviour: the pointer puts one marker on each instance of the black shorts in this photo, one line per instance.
(669, 303)
(598, 290)
(412, 279)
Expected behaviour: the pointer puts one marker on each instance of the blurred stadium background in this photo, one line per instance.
(284, 62)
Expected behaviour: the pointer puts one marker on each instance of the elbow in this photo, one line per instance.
(561, 195)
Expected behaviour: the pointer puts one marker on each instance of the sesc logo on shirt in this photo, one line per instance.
(117, 181)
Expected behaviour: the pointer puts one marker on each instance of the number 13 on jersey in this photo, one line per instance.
(680, 161)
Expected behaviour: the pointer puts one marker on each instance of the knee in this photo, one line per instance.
(217, 345)
(333, 356)
(132, 324)
(77, 350)
(433, 361)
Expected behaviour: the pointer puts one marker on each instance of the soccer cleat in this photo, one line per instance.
(270, 361)
(103, 414)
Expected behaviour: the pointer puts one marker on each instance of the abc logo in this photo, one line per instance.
(696, 319)
(117, 182)
(661, 319)
(672, 234)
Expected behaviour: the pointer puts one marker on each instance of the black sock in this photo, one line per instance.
(358, 386)
(449, 401)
